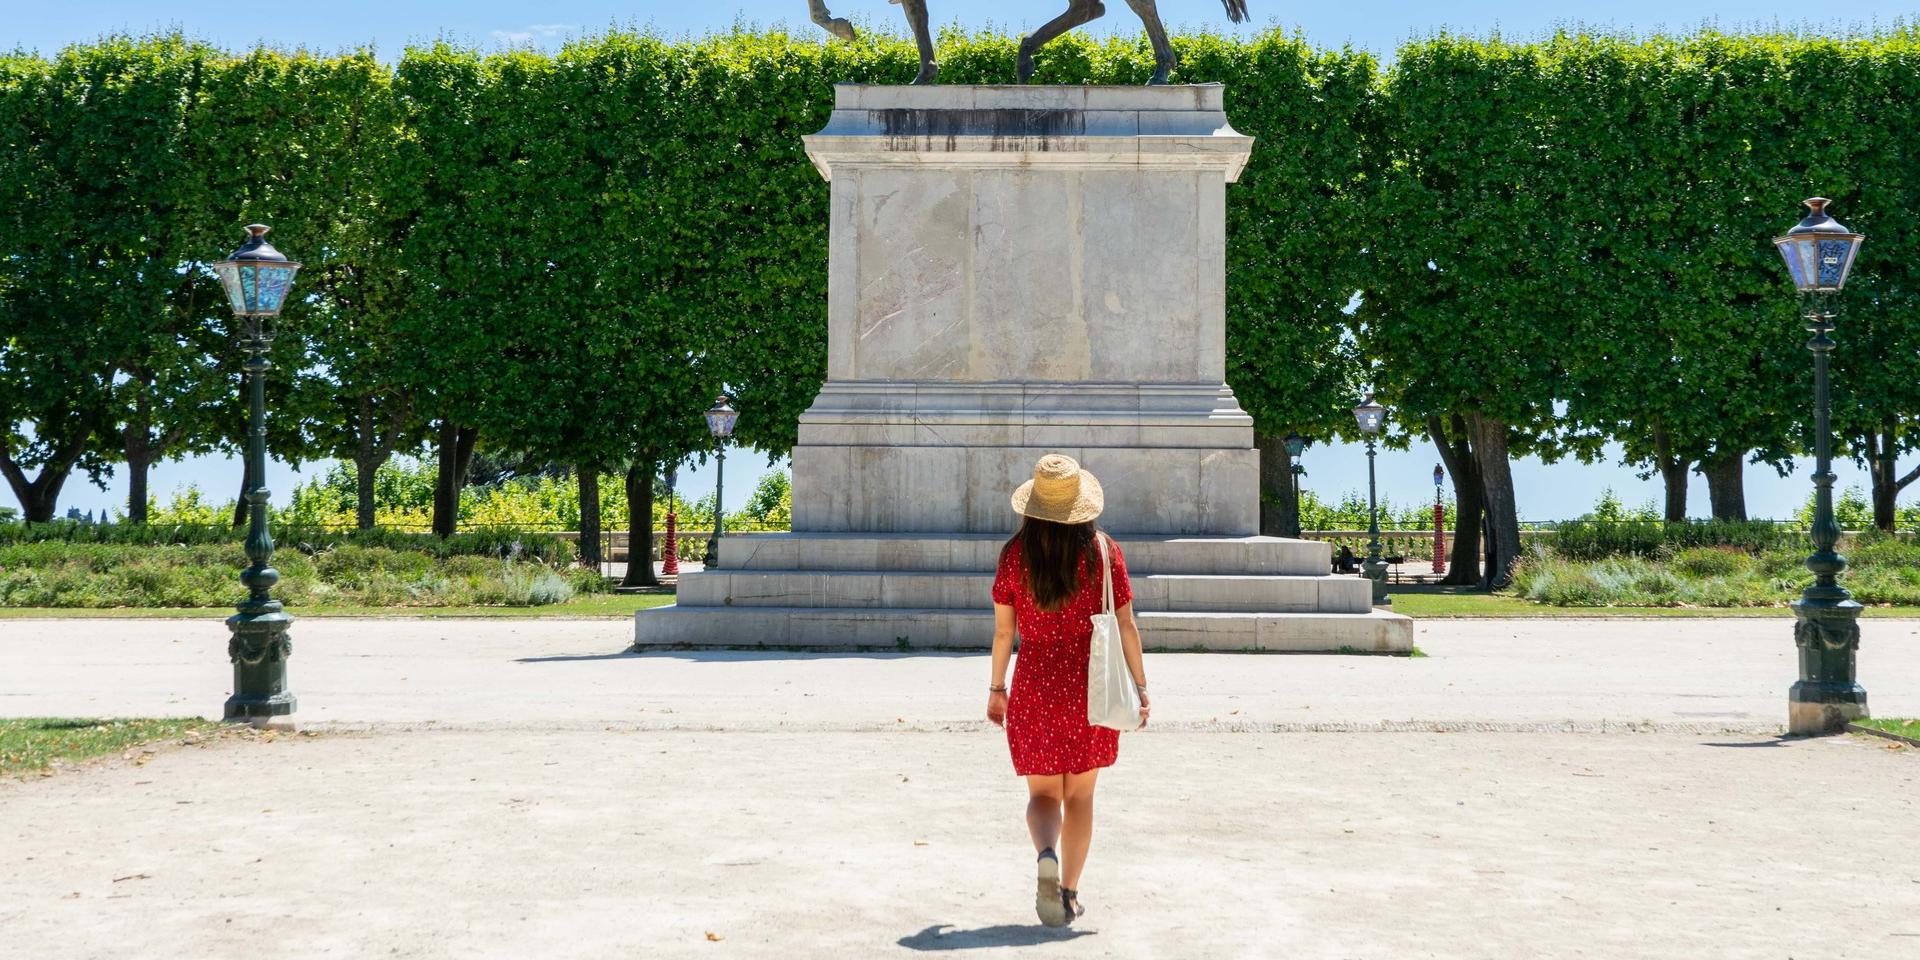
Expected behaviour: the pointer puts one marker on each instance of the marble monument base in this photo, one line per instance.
(895, 591)
(1015, 271)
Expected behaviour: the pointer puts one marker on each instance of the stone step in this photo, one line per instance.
(973, 591)
(980, 553)
(928, 629)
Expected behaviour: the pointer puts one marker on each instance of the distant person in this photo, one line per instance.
(1048, 586)
(1346, 562)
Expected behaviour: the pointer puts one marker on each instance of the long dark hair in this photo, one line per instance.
(1054, 556)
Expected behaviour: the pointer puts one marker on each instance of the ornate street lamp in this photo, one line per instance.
(1370, 415)
(1296, 445)
(1439, 521)
(1819, 252)
(720, 422)
(257, 278)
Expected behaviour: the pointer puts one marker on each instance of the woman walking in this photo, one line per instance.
(1049, 585)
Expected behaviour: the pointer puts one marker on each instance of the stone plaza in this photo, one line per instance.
(501, 789)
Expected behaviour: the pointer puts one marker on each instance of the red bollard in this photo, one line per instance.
(670, 552)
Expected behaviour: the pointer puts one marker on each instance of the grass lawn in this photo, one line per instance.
(1439, 602)
(611, 606)
(1905, 728)
(37, 743)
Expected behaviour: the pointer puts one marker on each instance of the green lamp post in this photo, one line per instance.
(1370, 416)
(1296, 445)
(720, 421)
(257, 278)
(1819, 252)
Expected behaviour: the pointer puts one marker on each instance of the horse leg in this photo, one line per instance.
(916, 11)
(1078, 12)
(838, 26)
(1163, 56)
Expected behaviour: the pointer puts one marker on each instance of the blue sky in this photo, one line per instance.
(1545, 491)
(1378, 25)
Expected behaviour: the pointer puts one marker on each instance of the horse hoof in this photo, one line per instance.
(841, 27)
(1026, 64)
(928, 71)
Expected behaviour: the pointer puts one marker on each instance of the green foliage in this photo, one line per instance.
(498, 543)
(1888, 572)
(35, 743)
(573, 253)
(1611, 510)
(101, 575)
(1854, 512)
(772, 502)
(1586, 540)
(1350, 513)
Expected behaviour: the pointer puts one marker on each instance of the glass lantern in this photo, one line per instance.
(721, 418)
(256, 277)
(1819, 251)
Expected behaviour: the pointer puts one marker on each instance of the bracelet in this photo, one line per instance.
(997, 688)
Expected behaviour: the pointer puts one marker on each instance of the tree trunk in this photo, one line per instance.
(1489, 437)
(1456, 453)
(365, 471)
(1673, 473)
(136, 447)
(1882, 447)
(589, 478)
(640, 525)
(370, 454)
(1726, 484)
(137, 467)
(455, 456)
(1277, 498)
(41, 495)
(240, 502)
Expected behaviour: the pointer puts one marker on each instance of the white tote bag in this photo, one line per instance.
(1112, 699)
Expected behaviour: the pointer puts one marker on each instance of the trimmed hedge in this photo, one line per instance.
(543, 548)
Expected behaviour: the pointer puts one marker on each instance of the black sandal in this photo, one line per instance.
(1048, 900)
(1070, 900)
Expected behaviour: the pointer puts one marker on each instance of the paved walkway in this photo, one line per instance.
(795, 846)
(491, 789)
(1686, 675)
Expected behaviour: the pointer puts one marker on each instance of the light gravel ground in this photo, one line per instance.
(598, 844)
(1489, 674)
(476, 789)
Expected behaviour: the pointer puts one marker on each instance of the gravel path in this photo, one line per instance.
(835, 845)
(481, 789)
(1687, 676)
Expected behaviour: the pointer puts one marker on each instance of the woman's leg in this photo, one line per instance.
(1044, 796)
(1077, 833)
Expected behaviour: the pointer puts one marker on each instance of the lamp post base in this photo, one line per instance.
(1376, 571)
(1827, 697)
(259, 649)
(1816, 712)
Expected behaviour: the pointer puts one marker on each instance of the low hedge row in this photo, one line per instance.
(96, 576)
(1597, 540)
(501, 543)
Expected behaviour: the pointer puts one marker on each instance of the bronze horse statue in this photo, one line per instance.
(1078, 12)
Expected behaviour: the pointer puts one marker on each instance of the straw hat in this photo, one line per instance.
(1060, 491)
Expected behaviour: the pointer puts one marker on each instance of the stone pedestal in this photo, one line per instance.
(1017, 271)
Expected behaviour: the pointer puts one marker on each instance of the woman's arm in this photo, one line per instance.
(1002, 652)
(1136, 661)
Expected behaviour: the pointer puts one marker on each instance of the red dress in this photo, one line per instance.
(1047, 729)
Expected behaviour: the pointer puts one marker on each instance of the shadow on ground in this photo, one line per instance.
(734, 655)
(941, 936)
